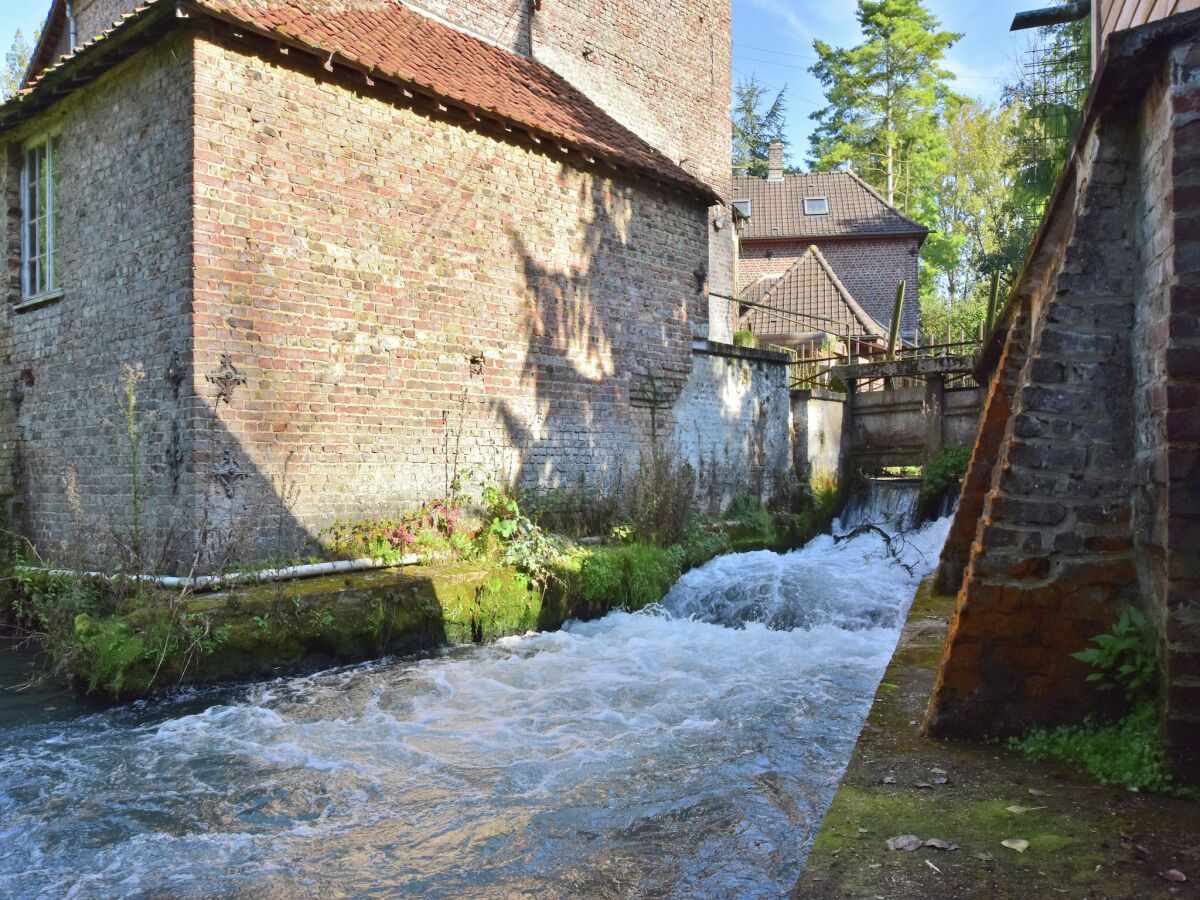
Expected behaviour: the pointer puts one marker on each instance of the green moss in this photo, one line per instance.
(862, 819)
(1128, 753)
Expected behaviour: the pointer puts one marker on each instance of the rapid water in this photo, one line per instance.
(687, 750)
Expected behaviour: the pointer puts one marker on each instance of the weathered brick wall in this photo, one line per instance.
(124, 182)
(662, 68)
(870, 268)
(353, 258)
(501, 22)
(1166, 339)
(95, 16)
(1092, 502)
(732, 423)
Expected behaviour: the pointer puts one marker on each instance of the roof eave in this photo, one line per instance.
(97, 56)
(791, 239)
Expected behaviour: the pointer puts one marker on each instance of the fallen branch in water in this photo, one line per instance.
(895, 545)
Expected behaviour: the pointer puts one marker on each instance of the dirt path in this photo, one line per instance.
(1084, 840)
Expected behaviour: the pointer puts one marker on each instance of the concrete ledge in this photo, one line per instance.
(817, 394)
(750, 354)
(921, 367)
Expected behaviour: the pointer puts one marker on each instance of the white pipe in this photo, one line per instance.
(215, 582)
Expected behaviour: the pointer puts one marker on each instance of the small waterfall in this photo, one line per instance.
(886, 502)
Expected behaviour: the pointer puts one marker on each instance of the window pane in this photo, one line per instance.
(40, 275)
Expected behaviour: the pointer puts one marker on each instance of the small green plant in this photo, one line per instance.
(263, 622)
(1126, 657)
(945, 473)
(661, 497)
(1127, 753)
(744, 339)
(622, 534)
(522, 543)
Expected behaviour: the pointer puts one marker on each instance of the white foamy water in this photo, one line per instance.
(688, 750)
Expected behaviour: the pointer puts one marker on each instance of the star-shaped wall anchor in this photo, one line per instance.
(229, 473)
(226, 378)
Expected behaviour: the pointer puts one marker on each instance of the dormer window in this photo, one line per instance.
(816, 206)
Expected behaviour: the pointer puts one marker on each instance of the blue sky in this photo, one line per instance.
(773, 38)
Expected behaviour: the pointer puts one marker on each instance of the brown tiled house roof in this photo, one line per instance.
(810, 297)
(855, 209)
(385, 39)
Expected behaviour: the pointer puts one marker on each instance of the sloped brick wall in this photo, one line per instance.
(1082, 495)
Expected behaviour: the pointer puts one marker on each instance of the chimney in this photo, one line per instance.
(775, 161)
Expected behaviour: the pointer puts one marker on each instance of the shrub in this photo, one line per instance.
(699, 545)
(661, 498)
(1127, 657)
(576, 512)
(945, 473)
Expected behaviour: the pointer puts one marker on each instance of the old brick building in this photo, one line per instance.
(357, 248)
(869, 245)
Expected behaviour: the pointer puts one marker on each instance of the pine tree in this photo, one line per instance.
(885, 99)
(15, 63)
(754, 128)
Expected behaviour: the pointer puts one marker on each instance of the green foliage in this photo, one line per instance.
(1126, 657)
(751, 514)
(755, 127)
(632, 576)
(661, 498)
(744, 339)
(1128, 753)
(523, 544)
(16, 61)
(945, 473)
(699, 545)
(433, 528)
(580, 511)
(885, 99)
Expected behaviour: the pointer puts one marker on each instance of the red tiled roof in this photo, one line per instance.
(777, 208)
(388, 38)
(393, 42)
(810, 297)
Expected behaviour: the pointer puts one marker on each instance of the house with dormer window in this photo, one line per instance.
(822, 246)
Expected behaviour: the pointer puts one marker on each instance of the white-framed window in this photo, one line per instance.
(816, 206)
(39, 214)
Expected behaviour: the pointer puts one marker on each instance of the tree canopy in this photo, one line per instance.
(886, 97)
(757, 121)
(15, 63)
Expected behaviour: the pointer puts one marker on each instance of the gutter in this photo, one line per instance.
(203, 583)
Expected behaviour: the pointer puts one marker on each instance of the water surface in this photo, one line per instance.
(687, 750)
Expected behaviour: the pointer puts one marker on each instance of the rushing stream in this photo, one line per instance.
(688, 750)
